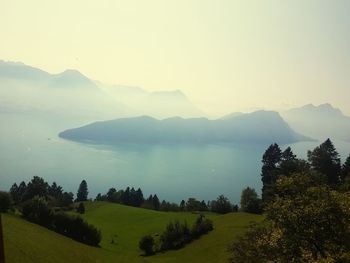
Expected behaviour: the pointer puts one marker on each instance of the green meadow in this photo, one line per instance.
(121, 227)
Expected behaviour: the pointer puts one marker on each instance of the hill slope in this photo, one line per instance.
(26, 242)
(256, 127)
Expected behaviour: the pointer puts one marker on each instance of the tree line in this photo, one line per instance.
(45, 204)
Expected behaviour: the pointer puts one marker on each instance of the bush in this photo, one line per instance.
(37, 211)
(81, 208)
(5, 201)
(201, 226)
(147, 245)
(175, 236)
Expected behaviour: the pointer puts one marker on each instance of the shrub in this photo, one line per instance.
(201, 226)
(175, 236)
(81, 208)
(147, 245)
(37, 210)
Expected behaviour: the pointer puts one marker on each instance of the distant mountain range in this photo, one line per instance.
(321, 122)
(72, 95)
(257, 127)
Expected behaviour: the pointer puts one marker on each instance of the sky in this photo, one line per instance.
(225, 55)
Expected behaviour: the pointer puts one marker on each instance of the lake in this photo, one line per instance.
(30, 146)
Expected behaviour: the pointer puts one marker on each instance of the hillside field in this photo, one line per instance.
(122, 227)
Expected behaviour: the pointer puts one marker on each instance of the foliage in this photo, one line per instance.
(147, 245)
(175, 236)
(221, 205)
(250, 202)
(201, 226)
(83, 192)
(346, 169)
(5, 202)
(81, 208)
(307, 221)
(38, 211)
(269, 170)
(325, 159)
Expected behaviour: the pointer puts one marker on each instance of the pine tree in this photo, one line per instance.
(269, 170)
(325, 159)
(346, 168)
(156, 202)
(83, 192)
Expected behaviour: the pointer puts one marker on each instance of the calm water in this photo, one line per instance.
(30, 146)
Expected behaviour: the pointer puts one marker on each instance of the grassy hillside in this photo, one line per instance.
(26, 242)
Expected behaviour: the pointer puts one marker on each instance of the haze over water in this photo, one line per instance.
(172, 171)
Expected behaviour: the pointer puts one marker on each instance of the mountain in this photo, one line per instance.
(158, 104)
(71, 95)
(319, 122)
(71, 78)
(20, 71)
(67, 98)
(256, 127)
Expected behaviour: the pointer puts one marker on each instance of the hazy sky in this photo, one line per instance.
(225, 55)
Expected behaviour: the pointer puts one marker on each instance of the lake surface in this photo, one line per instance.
(30, 146)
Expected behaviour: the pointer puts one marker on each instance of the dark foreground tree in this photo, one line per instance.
(147, 245)
(5, 202)
(325, 159)
(309, 222)
(83, 192)
(270, 170)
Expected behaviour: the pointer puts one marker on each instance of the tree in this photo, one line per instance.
(36, 187)
(55, 191)
(66, 199)
(147, 245)
(221, 205)
(182, 205)
(269, 170)
(111, 194)
(250, 202)
(139, 197)
(325, 159)
(309, 222)
(346, 168)
(14, 193)
(156, 203)
(82, 193)
(81, 208)
(5, 202)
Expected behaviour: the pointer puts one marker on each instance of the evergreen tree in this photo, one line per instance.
(110, 194)
(83, 192)
(14, 193)
(36, 187)
(346, 168)
(325, 159)
(126, 196)
(156, 203)
(139, 197)
(269, 170)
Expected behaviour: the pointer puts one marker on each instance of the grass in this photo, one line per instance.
(122, 227)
